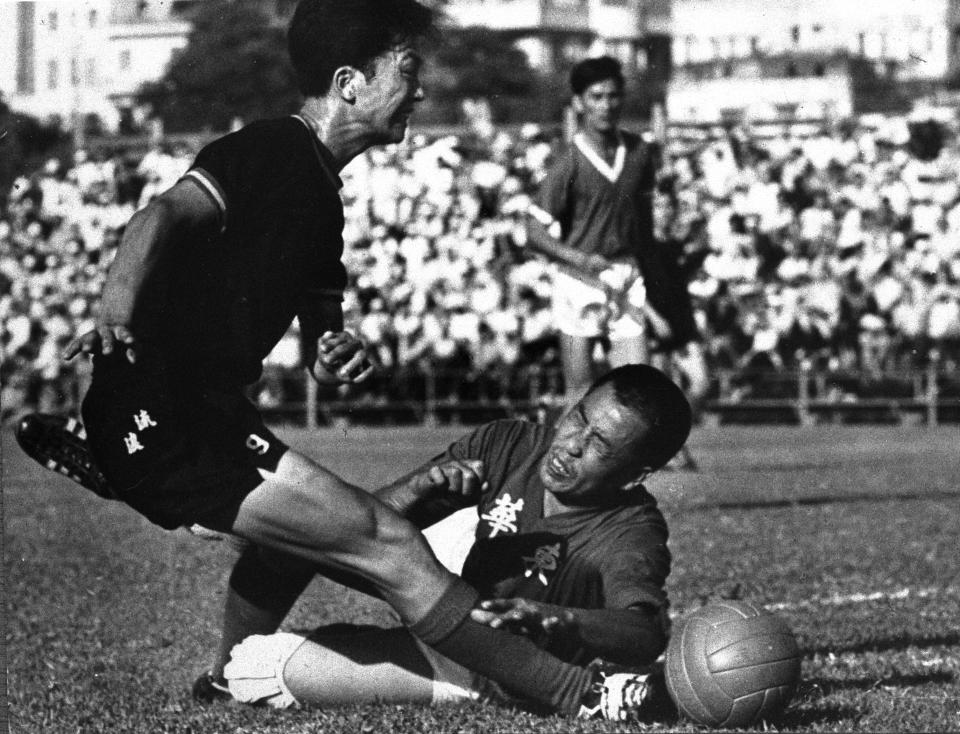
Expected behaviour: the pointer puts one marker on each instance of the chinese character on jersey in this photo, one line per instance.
(143, 420)
(503, 517)
(132, 443)
(545, 558)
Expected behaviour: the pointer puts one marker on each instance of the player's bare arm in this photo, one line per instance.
(149, 236)
(541, 239)
(624, 636)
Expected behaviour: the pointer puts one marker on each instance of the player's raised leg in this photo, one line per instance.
(304, 510)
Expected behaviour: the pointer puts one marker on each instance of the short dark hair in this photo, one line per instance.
(591, 71)
(661, 403)
(327, 34)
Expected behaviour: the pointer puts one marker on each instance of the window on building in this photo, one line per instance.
(53, 20)
(92, 18)
(819, 69)
(125, 60)
(53, 74)
(795, 34)
(754, 45)
(641, 58)
(74, 72)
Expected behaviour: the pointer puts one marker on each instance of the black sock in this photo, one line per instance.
(510, 660)
(258, 598)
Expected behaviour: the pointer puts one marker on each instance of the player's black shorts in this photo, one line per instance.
(175, 450)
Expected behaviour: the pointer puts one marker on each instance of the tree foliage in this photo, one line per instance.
(234, 65)
(478, 62)
(24, 142)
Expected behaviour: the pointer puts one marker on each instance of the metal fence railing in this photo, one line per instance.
(802, 397)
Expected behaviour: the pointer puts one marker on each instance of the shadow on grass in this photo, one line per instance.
(824, 500)
(886, 643)
(812, 714)
(828, 686)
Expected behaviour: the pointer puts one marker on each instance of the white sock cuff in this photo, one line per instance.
(255, 671)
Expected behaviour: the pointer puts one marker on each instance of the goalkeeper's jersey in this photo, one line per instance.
(611, 557)
(222, 302)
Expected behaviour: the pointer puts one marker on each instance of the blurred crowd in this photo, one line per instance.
(835, 248)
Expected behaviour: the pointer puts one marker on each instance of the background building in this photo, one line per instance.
(554, 33)
(811, 58)
(83, 58)
(74, 60)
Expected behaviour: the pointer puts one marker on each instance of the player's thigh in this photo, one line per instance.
(385, 665)
(576, 354)
(306, 511)
(302, 506)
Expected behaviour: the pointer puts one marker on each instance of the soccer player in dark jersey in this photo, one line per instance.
(206, 280)
(594, 217)
(564, 543)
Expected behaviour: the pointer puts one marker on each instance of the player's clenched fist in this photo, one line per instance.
(102, 340)
(461, 478)
(341, 358)
(457, 479)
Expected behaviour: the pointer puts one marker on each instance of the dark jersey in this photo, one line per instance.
(603, 209)
(592, 558)
(221, 303)
(607, 210)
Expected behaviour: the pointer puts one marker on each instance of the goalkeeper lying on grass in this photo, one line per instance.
(551, 525)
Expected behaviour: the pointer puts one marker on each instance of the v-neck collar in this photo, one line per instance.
(611, 173)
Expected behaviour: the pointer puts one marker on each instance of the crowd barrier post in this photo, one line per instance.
(311, 421)
(932, 389)
(429, 397)
(803, 394)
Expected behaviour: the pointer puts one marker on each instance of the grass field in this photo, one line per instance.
(851, 534)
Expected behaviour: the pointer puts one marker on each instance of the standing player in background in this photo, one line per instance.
(678, 351)
(594, 217)
(563, 542)
(208, 277)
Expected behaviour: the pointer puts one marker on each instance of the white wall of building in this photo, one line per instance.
(913, 32)
(8, 48)
(81, 61)
(137, 54)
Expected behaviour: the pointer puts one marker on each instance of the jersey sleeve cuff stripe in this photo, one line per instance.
(209, 185)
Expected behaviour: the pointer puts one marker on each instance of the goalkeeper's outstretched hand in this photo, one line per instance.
(539, 622)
